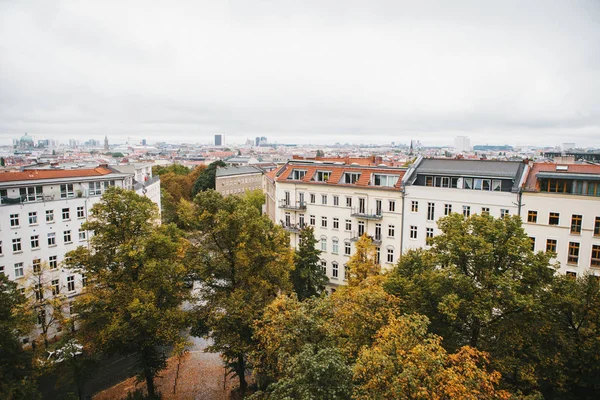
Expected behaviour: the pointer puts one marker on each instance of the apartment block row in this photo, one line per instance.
(399, 207)
(41, 217)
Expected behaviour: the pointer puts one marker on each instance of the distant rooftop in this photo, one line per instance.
(504, 169)
(237, 170)
(52, 174)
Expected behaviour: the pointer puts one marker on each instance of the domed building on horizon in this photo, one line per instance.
(26, 142)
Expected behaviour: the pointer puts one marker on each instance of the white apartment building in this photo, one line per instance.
(462, 144)
(561, 213)
(342, 202)
(434, 188)
(41, 216)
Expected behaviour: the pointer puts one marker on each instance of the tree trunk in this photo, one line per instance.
(241, 372)
(149, 382)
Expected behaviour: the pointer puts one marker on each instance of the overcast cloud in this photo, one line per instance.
(517, 72)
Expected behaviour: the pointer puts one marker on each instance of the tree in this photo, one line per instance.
(206, 179)
(308, 277)
(136, 274)
(177, 169)
(16, 381)
(243, 261)
(363, 262)
(480, 285)
(320, 153)
(255, 198)
(2, 162)
(406, 362)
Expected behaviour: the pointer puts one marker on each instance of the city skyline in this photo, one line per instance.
(382, 72)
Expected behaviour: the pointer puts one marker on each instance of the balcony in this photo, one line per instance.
(292, 228)
(363, 213)
(376, 239)
(294, 206)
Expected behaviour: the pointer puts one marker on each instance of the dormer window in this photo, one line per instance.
(322, 176)
(385, 180)
(298, 174)
(350, 177)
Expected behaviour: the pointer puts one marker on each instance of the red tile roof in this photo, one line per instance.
(532, 181)
(52, 174)
(337, 172)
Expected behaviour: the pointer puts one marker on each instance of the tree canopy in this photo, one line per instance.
(206, 179)
(308, 277)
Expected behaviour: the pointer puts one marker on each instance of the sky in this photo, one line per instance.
(323, 71)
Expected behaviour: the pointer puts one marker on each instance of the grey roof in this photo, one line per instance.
(241, 170)
(482, 168)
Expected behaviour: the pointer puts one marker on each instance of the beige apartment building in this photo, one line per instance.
(238, 179)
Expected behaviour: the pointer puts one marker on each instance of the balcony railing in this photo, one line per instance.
(293, 228)
(363, 213)
(292, 205)
(376, 239)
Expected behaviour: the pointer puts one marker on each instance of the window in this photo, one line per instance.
(19, 270)
(324, 266)
(66, 191)
(347, 248)
(83, 280)
(2, 269)
(430, 211)
(55, 287)
(52, 239)
(429, 181)
(467, 211)
(556, 186)
(336, 223)
(301, 198)
(391, 230)
(573, 256)
(392, 205)
(288, 220)
(485, 211)
(447, 209)
(313, 198)
(334, 270)
(350, 177)
(71, 283)
(49, 215)
(32, 193)
(37, 265)
(571, 274)
(323, 244)
(14, 220)
(298, 174)
(428, 236)
(377, 255)
(323, 222)
(362, 205)
(335, 246)
(35, 242)
(390, 255)
(82, 234)
(322, 176)
(323, 199)
(576, 223)
(336, 200)
(504, 212)
(53, 262)
(80, 212)
(597, 227)
(551, 245)
(33, 218)
(39, 292)
(65, 214)
(554, 218)
(413, 232)
(95, 188)
(414, 206)
(595, 261)
(532, 241)
(313, 220)
(41, 317)
(348, 225)
(301, 220)
(532, 216)
(386, 180)
(1, 253)
(377, 231)
(348, 201)
(345, 272)
(67, 236)
(378, 208)
(16, 243)
(361, 228)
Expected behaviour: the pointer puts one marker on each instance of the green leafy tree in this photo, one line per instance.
(16, 375)
(177, 169)
(243, 261)
(480, 285)
(2, 162)
(255, 198)
(308, 277)
(136, 274)
(206, 179)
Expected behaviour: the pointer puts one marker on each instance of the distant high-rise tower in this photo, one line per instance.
(219, 140)
(106, 142)
(257, 141)
(462, 144)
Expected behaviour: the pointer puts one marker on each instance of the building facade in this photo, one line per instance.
(341, 202)
(238, 179)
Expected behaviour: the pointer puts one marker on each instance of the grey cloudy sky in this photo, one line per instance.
(323, 71)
